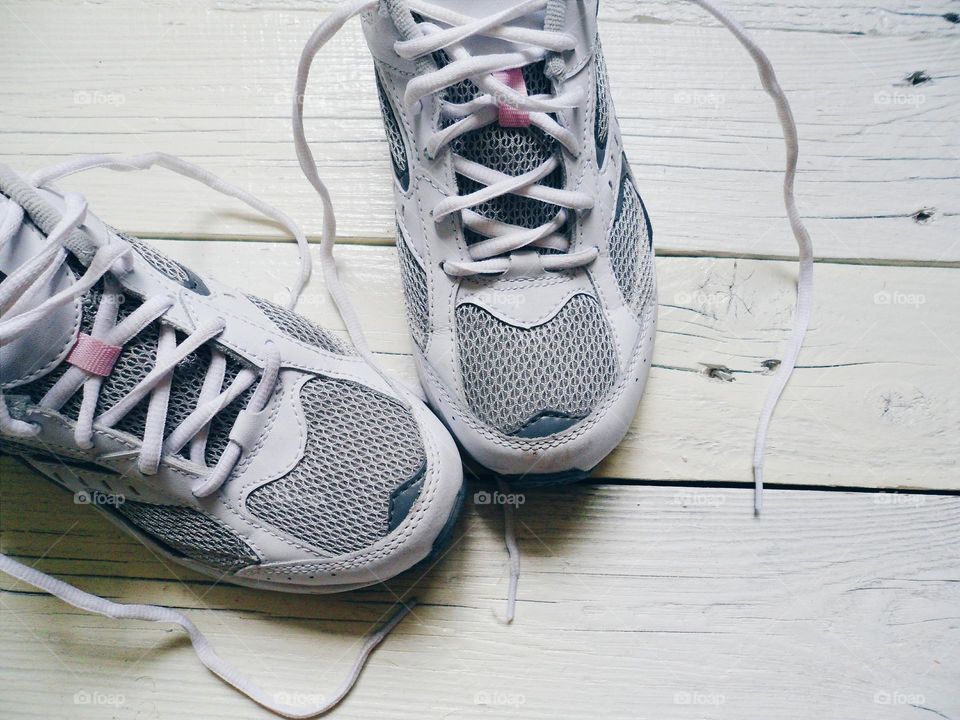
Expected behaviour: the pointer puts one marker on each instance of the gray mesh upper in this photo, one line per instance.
(414, 291)
(511, 374)
(361, 447)
(161, 262)
(631, 250)
(299, 328)
(191, 533)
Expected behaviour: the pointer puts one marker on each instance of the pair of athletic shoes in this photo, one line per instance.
(237, 438)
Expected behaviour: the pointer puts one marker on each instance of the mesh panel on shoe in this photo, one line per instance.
(511, 374)
(191, 533)
(398, 151)
(361, 446)
(631, 249)
(299, 328)
(512, 151)
(161, 262)
(601, 123)
(414, 291)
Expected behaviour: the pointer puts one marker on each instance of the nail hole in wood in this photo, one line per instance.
(918, 78)
(719, 372)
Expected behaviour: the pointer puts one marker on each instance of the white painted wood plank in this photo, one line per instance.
(635, 602)
(850, 17)
(213, 84)
(845, 17)
(865, 405)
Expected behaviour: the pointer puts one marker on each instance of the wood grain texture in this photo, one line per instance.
(851, 17)
(861, 393)
(215, 86)
(635, 602)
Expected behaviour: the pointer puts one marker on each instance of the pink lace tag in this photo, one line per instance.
(93, 355)
(511, 116)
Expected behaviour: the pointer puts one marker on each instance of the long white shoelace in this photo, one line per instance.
(488, 256)
(112, 258)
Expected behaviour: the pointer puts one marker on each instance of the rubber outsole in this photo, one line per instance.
(446, 533)
(530, 480)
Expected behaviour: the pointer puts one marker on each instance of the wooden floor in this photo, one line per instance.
(652, 592)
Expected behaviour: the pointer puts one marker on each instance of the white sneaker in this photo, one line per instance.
(525, 249)
(225, 432)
